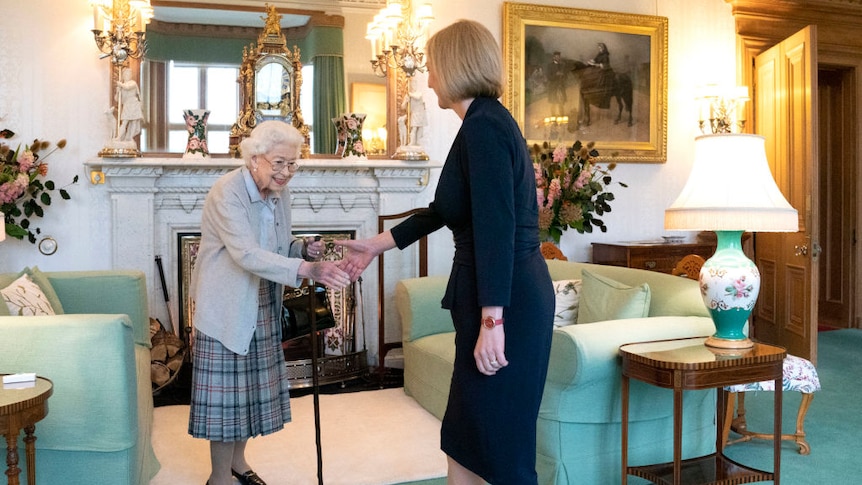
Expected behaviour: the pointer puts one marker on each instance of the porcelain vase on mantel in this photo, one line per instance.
(351, 126)
(340, 135)
(196, 124)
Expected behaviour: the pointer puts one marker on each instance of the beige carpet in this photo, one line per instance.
(368, 438)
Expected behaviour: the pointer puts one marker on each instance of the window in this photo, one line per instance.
(177, 86)
(171, 87)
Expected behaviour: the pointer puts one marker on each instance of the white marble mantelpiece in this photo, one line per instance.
(155, 200)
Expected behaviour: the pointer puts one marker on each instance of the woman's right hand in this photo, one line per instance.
(327, 273)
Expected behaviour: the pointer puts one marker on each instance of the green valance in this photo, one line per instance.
(325, 41)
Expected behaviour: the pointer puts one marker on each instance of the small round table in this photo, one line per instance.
(22, 408)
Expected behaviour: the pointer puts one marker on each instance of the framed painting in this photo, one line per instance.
(189, 243)
(588, 75)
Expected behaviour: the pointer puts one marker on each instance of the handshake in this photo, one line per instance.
(338, 274)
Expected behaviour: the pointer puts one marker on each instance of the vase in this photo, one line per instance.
(196, 124)
(340, 135)
(352, 126)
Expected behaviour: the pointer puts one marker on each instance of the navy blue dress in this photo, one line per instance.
(487, 197)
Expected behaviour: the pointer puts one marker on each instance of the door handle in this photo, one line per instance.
(800, 250)
(816, 250)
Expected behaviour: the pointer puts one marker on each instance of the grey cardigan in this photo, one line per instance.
(230, 262)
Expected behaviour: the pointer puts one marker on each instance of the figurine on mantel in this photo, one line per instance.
(411, 124)
(126, 118)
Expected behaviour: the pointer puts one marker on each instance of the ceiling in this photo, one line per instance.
(216, 16)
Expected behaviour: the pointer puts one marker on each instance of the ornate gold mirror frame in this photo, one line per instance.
(257, 105)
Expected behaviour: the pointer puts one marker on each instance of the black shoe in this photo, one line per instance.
(247, 478)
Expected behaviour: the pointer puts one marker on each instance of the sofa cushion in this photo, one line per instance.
(43, 289)
(603, 298)
(566, 298)
(669, 295)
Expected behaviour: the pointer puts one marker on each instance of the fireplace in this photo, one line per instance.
(155, 201)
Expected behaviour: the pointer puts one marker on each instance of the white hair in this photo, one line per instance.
(268, 134)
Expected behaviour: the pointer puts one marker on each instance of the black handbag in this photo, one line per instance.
(296, 308)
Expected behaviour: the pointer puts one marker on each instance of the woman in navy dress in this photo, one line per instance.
(499, 293)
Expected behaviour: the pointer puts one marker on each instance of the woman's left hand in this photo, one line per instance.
(490, 352)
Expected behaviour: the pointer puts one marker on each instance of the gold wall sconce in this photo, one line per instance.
(119, 31)
(119, 28)
(395, 34)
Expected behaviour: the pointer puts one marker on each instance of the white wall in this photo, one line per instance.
(53, 85)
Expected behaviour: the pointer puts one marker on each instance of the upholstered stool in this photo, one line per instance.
(799, 375)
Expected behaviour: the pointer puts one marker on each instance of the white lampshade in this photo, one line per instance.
(731, 188)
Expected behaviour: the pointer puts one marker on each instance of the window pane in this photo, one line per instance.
(222, 95)
(183, 89)
(177, 141)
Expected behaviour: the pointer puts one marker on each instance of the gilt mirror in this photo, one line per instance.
(271, 81)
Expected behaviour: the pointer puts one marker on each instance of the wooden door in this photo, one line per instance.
(836, 86)
(785, 89)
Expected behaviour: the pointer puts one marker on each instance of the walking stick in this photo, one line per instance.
(315, 382)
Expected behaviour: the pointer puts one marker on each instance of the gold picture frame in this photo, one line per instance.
(189, 244)
(582, 96)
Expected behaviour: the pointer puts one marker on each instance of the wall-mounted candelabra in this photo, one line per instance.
(119, 28)
(395, 34)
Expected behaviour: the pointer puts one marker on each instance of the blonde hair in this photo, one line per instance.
(268, 134)
(466, 61)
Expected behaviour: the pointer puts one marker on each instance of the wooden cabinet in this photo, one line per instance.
(652, 256)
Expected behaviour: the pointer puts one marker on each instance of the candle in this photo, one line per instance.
(98, 21)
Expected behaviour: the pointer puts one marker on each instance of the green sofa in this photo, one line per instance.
(97, 354)
(579, 433)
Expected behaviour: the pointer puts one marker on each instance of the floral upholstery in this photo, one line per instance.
(799, 375)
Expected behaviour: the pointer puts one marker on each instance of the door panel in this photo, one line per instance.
(837, 103)
(785, 85)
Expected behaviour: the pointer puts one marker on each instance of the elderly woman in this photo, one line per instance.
(487, 197)
(247, 255)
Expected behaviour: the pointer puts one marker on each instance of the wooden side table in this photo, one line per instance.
(686, 364)
(22, 409)
(661, 257)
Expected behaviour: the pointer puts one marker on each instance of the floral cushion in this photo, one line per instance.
(23, 297)
(799, 375)
(567, 295)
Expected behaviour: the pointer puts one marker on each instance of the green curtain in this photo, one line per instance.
(329, 100)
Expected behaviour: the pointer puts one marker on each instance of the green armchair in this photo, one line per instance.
(100, 416)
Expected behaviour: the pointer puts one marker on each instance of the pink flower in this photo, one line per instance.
(26, 160)
(559, 154)
(583, 178)
(540, 197)
(554, 191)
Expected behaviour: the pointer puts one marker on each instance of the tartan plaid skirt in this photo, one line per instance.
(235, 397)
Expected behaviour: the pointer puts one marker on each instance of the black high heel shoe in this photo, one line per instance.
(247, 478)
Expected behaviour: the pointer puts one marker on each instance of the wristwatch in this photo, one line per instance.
(490, 322)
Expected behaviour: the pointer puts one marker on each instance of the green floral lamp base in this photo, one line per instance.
(729, 283)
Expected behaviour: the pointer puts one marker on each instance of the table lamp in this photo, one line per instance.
(730, 190)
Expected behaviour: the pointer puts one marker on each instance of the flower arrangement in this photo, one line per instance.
(571, 188)
(23, 194)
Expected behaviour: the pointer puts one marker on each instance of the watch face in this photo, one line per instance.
(489, 322)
